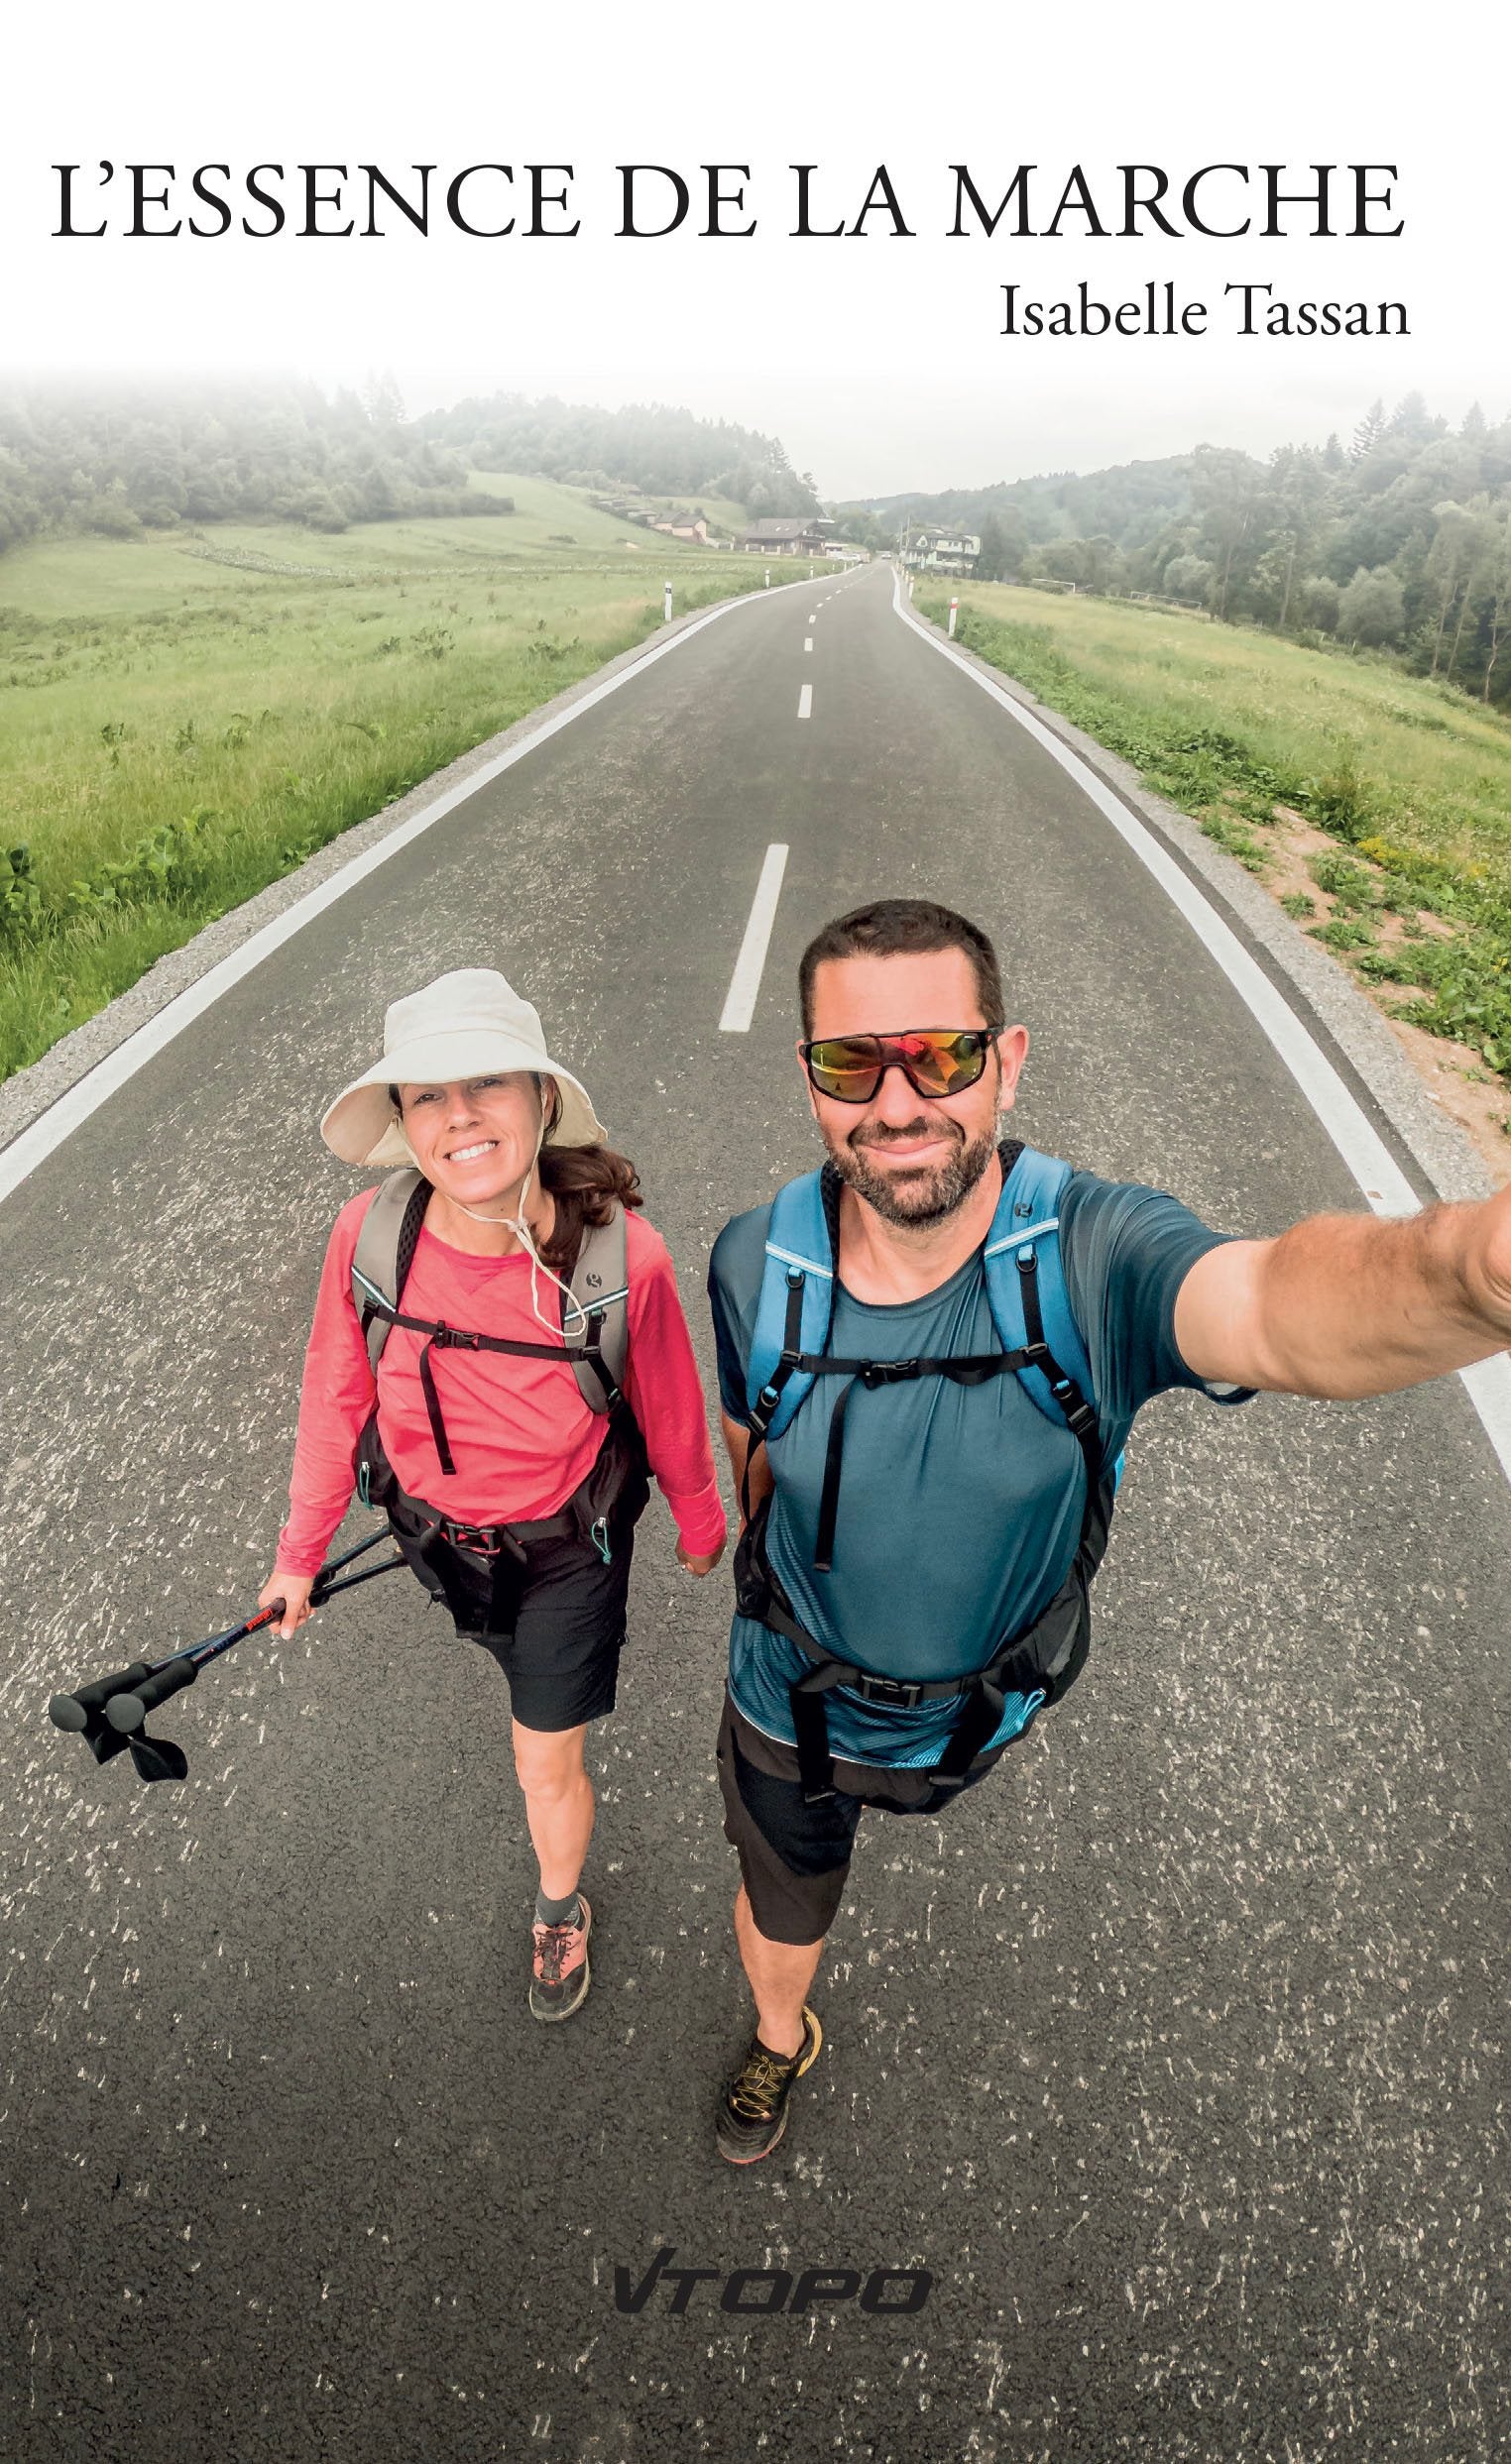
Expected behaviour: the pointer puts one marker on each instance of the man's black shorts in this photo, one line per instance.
(556, 1627)
(794, 1856)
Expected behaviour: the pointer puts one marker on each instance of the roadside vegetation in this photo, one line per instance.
(1398, 541)
(187, 713)
(1376, 804)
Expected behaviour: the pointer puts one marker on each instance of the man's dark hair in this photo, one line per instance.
(892, 928)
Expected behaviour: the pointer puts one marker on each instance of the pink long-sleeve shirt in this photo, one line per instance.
(522, 1436)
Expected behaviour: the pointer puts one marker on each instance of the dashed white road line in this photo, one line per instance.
(807, 641)
(46, 1134)
(806, 703)
(745, 984)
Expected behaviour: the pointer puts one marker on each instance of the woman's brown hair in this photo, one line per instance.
(582, 1181)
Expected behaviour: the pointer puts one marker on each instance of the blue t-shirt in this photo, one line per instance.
(960, 1506)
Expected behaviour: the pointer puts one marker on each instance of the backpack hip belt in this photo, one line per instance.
(606, 1504)
(1039, 1662)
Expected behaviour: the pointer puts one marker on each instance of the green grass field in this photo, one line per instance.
(184, 717)
(1228, 724)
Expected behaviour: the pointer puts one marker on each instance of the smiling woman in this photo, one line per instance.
(513, 1471)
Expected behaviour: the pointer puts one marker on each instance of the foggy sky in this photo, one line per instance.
(878, 360)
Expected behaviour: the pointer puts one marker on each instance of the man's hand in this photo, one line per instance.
(1346, 1305)
(1495, 1257)
(293, 1590)
(699, 1565)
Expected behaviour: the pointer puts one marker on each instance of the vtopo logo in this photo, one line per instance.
(761, 2292)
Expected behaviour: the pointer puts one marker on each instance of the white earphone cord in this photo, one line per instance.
(521, 1229)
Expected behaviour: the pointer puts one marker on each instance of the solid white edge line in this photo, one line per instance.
(1369, 1161)
(805, 702)
(740, 1003)
(44, 1135)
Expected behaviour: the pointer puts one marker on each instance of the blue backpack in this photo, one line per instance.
(1041, 1346)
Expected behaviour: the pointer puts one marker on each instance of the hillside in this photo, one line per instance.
(126, 459)
(653, 446)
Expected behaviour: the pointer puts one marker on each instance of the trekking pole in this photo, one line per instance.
(110, 1713)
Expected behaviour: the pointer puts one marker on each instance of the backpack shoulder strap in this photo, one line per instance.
(600, 1284)
(1022, 1250)
(796, 1304)
(384, 1252)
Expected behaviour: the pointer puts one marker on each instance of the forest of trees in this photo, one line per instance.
(121, 457)
(1400, 541)
(653, 446)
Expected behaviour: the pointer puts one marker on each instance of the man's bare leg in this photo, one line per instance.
(780, 1973)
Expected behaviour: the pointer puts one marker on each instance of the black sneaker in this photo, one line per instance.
(752, 2111)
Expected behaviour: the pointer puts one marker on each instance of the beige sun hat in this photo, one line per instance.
(465, 1025)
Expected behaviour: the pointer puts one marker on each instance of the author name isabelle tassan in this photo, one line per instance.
(1154, 308)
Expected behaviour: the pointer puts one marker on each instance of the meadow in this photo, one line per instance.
(1253, 734)
(185, 717)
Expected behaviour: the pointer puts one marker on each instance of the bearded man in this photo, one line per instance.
(930, 1354)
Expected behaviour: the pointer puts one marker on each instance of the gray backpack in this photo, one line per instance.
(380, 1266)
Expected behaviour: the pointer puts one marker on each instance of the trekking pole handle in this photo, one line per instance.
(71, 1711)
(127, 1711)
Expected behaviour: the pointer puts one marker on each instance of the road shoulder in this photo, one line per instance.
(1358, 1034)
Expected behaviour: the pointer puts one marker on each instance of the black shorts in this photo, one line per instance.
(555, 1626)
(794, 1856)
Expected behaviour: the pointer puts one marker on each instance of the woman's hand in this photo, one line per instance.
(293, 1590)
(699, 1565)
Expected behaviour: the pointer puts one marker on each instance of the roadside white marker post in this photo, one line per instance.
(954, 605)
(745, 984)
(667, 605)
(768, 577)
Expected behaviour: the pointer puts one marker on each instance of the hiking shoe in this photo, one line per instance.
(752, 2111)
(559, 1972)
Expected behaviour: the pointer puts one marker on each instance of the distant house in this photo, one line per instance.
(683, 526)
(786, 534)
(941, 551)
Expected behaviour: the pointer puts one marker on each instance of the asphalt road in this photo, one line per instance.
(1177, 2054)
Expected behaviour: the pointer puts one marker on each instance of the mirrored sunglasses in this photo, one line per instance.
(935, 1060)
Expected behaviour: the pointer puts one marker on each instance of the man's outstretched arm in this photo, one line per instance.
(1353, 1305)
